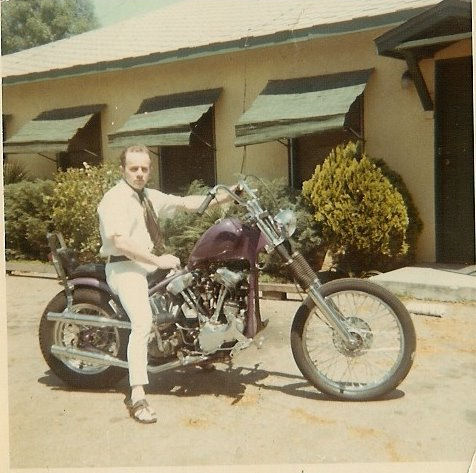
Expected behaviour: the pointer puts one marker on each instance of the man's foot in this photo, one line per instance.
(141, 411)
(207, 365)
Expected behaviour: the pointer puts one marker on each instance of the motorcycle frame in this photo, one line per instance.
(266, 225)
(253, 317)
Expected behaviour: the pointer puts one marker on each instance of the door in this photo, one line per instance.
(455, 221)
(180, 165)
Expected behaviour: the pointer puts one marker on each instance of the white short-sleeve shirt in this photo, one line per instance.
(121, 214)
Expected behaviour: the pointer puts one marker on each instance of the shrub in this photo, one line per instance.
(363, 217)
(415, 224)
(14, 172)
(74, 204)
(27, 218)
(182, 231)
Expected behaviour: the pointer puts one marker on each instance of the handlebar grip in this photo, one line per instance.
(205, 204)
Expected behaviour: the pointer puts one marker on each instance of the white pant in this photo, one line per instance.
(129, 281)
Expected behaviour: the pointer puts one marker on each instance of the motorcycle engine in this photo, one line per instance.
(224, 295)
(210, 316)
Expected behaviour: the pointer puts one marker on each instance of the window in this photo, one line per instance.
(180, 165)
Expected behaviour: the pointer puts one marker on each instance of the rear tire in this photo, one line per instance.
(384, 328)
(109, 340)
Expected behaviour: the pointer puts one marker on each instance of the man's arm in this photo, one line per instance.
(129, 249)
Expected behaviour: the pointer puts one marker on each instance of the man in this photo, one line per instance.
(127, 242)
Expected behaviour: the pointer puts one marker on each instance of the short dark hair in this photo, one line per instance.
(133, 149)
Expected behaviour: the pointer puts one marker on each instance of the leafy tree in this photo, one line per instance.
(29, 23)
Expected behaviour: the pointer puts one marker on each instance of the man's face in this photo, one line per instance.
(136, 170)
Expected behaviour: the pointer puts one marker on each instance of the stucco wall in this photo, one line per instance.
(396, 127)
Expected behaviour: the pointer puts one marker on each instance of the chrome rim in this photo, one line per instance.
(376, 357)
(84, 337)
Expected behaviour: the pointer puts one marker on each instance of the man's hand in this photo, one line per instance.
(167, 262)
(223, 197)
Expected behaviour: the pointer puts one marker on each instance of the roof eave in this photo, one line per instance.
(243, 44)
(388, 42)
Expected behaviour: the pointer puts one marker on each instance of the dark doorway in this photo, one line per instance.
(312, 150)
(454, 153)
(180, 165)
(84, 147)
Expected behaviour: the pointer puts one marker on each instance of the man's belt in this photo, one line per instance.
(116, 259)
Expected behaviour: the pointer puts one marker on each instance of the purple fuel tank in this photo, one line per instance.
(229, 239)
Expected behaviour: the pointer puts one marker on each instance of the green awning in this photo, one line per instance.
(165, 120)
(51, 131)
(296, 107)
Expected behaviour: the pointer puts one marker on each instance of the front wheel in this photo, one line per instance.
(381, 325)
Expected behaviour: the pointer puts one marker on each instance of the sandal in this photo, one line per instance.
(138, 409)
(207, 365)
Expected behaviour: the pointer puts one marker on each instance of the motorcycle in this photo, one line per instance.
(350, 338)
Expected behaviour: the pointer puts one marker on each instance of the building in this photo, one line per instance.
(221, 87)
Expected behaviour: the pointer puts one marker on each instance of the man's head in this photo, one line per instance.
(135, 166)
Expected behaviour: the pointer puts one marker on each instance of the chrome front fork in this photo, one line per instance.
(332, 315)
(308, 280)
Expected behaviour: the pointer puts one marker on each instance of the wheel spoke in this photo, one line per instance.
(70, 335)
(378, 330)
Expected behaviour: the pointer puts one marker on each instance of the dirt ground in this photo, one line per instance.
(258, 411)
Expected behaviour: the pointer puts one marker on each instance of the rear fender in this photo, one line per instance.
(101, 286)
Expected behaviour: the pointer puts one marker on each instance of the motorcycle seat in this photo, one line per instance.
(97, 271)
(89, 270)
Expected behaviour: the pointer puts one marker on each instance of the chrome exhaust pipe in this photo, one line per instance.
(93, 320)
(87, 356)
(107, 360)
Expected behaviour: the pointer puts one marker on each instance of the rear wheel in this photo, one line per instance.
(384, 352)
(106, 340)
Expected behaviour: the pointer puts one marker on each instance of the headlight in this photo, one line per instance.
(286, 222)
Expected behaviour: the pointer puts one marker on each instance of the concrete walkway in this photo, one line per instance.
(436, 283)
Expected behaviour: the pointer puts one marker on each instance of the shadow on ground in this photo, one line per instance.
(231, 382)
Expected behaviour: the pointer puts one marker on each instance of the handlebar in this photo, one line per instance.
(241, 187)
(260, 216)
(210, 196)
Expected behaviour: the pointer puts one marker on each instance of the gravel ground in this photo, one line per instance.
(259, 411)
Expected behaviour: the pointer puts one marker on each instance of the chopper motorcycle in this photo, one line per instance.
(350, 338)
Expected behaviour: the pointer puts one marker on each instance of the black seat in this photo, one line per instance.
(98, 271)
(74, 270)
(89, 270)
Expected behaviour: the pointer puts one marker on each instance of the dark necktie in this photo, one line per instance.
(151, 222)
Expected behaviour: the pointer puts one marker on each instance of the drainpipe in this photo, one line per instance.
(291, 163)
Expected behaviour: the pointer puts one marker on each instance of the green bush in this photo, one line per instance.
(27, 218)
(363, 217)
(14, 172)
(415, 224)
(74, 202)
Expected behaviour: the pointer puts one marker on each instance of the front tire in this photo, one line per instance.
(109, 340)
(386, 335)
